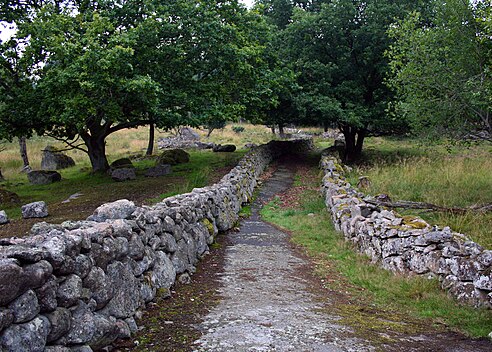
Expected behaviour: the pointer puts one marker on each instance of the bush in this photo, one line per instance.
(238, 129)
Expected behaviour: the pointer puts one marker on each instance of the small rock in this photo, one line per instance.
(11, 279)
(25, 307)
(158, 170)
(123, 174)
(42, 177)
(60, 321)
(4, 219)
(69, 291)
(34, 210)
(226, 148)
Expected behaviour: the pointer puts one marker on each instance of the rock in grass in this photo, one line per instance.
(53, 159)
(123, 174)
(173, 157)
(158, 170)
(42, 177)
(226, 148)
(123, 163)
(34, 210)
(4, 219)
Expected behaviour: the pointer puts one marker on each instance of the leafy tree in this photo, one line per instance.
(97, 67)
(338, 52)
(442, 68)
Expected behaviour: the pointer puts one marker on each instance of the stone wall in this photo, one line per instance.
(78, 286)
(407, 244)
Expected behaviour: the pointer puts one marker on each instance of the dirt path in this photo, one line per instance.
(257, 292)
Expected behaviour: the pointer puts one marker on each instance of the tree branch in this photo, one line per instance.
(72, 144)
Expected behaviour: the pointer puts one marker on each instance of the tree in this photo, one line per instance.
(441, 68)
(99, 67)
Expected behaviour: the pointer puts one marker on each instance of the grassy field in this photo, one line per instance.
(456, 177)
(343, 270)
(205, 167)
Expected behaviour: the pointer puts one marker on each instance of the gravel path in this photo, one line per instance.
(270, 301)
(267, 304)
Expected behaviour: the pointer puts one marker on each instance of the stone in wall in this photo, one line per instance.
(407, 244)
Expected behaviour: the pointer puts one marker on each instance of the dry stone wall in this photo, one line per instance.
(79, 285)
(407, 244)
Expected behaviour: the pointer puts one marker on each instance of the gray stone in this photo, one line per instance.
(123, 174)
(41, 177)
(53, 159)
(60, 321)
(81, 349)
(158, 170)
(136, 248)
(124, 331)
(106, 331)
(82, 326)
(226, 148)
(126, 288)
(121, 209)
(11, 280)
(69, 291)
(4, 219)
(57, 349)
(6, 318)
(168, 243)
(147, 292)
(483, 282)
(47, 296)
(25, 307)
(83, 265)
(164, 273)
(123, 163)
(131, 324)
(485, 258)
(34, 210)
(100, 286)
(188, 133)
(36, 275)
(27, 337)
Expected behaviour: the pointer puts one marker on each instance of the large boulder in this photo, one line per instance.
(188, 133)
(120, 209)
(53, 159)
(123, 174)
(226, 148)
(123, 163)
(158, 170)
(43, 177)
(34, 210)
(173, 157)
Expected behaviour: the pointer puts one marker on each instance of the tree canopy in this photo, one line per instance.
(99, 67)
(442, 68)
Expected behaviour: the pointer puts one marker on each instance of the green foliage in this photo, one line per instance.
(441, 68)
(238, 129)
(97, 68)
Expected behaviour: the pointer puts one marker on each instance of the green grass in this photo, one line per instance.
(456, 177)
(419, 297)
(194, 174)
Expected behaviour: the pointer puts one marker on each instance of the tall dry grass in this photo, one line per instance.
(460, 177)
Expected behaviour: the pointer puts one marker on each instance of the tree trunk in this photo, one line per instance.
(96, 149)
(325, 126)
(150, 147)
(354, 140)
(272, 127)
(281, 130)
(23, 151)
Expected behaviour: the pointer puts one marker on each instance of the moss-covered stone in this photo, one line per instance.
(173, 157)
(209, 226)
